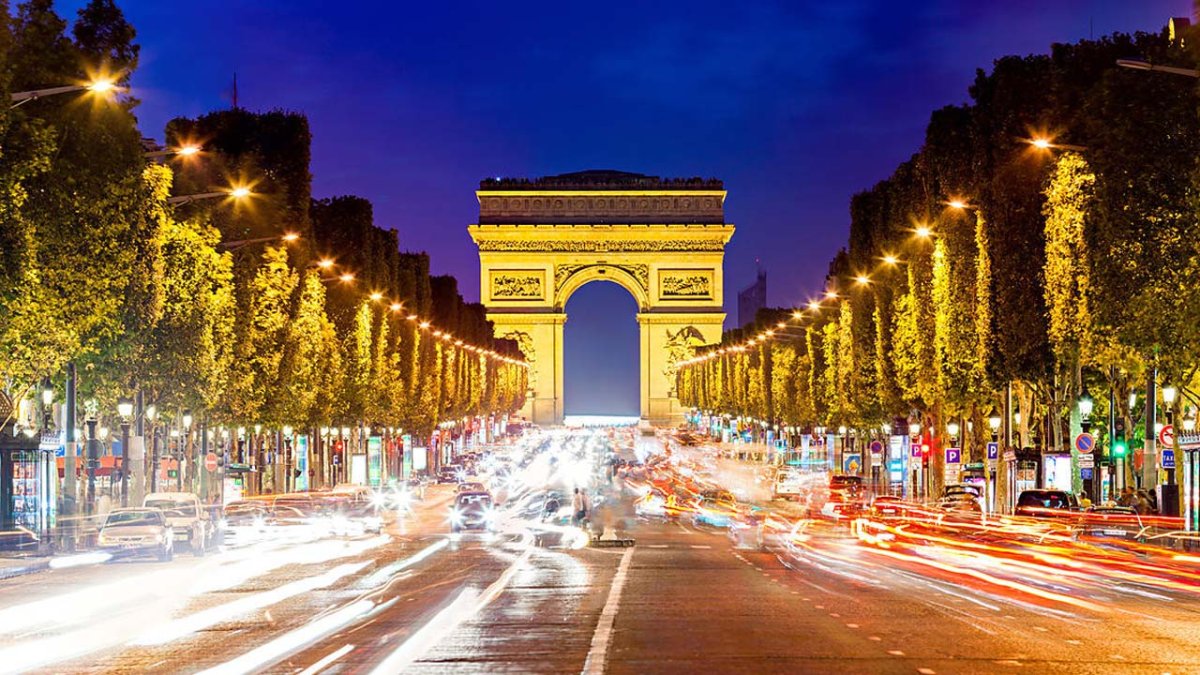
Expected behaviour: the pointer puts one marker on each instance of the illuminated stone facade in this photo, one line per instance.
(662, 240)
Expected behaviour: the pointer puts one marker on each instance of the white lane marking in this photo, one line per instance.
(896, 652)
(597, 657)
(685, 530)
(328, 659)
(701, 546)
(926, 671)
(657, 545)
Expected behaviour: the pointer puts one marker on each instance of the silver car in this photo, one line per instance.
(137, 531)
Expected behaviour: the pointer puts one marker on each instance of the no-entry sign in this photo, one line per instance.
(210, 461)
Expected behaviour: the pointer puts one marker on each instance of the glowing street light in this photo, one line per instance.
(862, 280)
(325, 263)
(890, 259)
(98, 86)
(238, 192)
(923, 231)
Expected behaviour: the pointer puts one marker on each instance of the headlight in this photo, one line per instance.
(456, 517)
(103, 540)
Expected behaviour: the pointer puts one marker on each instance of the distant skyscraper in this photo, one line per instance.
(752, 298)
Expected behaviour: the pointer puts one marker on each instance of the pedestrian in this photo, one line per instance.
(1126, 498)
(1084, 501)
(579, 507)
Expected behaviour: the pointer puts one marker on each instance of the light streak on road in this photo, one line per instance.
(291, 641)
(385, 573)
(466, 606)
(212, 616)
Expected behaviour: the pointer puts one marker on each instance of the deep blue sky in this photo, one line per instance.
(796, 105)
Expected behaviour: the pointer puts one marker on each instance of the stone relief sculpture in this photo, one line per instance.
(517, 286)
(686, 285)
(681, 345)
(589, 246)
(525, 343)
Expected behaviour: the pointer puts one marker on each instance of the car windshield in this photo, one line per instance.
(133, 518)
(182, 507)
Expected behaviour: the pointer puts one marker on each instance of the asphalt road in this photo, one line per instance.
(683, 600)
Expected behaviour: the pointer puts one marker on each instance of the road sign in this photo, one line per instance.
(1086, 474)
(210, 461)
(1168, 459)
(1084, 443)
(993, 449)
(953, 455)
(876, 447)
(1087, 461)
(1166, 436)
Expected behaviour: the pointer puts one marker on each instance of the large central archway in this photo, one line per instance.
(662, 240)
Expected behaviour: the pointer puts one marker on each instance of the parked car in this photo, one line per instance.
(450, 473)
(1046, 503)
(472, 511)
(187, 516)
(137, 531)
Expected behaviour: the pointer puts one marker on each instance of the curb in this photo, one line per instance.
(10, 572)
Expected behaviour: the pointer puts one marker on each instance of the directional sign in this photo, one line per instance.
(1168, 459)
(993, 450)
(1084, 443)
(953, 455)
(1166, 436)
(210, 461)
(876, 447)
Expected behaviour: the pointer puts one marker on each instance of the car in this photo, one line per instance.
(1046, 503)
(747, 531)
(470, 486)
(965, 502)
(472, 511)
(845, 499)
(887, 506)
(1111, 522)
(187, 517)
(137, 531)
(450, 473)
(788, 484)
(243, 522)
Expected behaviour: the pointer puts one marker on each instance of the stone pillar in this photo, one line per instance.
(666, 338)
(540, 336)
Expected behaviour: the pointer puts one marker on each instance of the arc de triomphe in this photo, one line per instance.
(663, 240)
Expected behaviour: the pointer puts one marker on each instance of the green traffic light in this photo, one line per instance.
(1119, 449)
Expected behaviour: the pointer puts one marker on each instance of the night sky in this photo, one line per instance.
(796, 105)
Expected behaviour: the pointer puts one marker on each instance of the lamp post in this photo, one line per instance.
(185, 442)
(99, 86)
(1169, 395)
(914, 434)
(93, 458)
(1085, 423)
(151, 414)
(125, 410)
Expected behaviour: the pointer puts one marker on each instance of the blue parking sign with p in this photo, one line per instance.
(993, 449)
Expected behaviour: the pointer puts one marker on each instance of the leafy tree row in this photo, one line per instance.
(102, 271)
(985, 261)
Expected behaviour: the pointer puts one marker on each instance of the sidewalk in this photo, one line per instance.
(15, 567)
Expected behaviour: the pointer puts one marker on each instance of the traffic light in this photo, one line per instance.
(1119, 448)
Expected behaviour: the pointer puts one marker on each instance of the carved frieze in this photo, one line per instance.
(685, 284)
(595, 246)
(517, 285)
(641, 272)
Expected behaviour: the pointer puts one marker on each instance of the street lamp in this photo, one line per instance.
(47, 403)
(952, 429)
(236, 193)
(98, 86)
(151, 415)
(125, 410)
(185, 442)
(1140, 64)
(1168, 394)
(994, 422)
(914, 429)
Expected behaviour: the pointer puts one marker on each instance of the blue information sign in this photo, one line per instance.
(1168, 458)
(993, 449)
(1085, 474)
(953, 455)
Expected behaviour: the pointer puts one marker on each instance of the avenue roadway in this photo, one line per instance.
(682, 600)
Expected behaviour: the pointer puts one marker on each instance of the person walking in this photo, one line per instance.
(579, 506)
